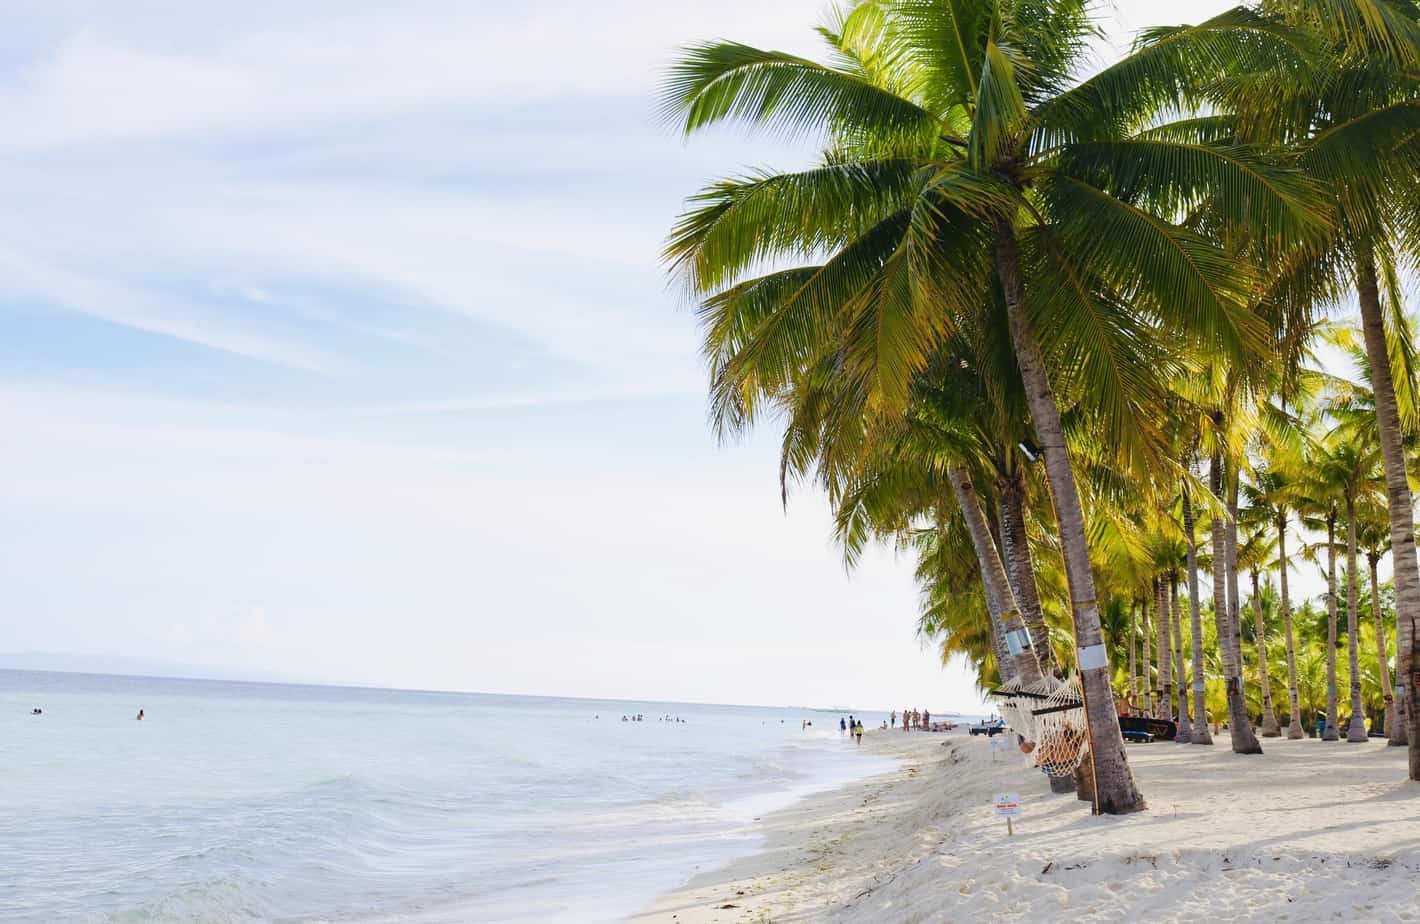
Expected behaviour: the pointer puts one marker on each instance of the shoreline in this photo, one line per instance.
(799, 838)
(1306, 831)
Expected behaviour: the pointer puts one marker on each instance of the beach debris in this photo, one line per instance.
(1047, 867)
(727, 905)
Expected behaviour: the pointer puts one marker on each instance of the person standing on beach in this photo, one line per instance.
(858, 732)
(842, 726)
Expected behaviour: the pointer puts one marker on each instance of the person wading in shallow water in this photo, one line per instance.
(858, 732)
(140, 715)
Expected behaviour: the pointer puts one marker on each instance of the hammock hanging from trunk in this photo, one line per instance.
(1062, 738)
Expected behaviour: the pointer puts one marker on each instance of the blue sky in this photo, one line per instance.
(336, 347)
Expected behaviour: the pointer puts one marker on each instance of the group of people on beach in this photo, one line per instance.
(912, 719)
(852, 727)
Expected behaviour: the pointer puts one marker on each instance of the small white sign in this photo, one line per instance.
(1008, 805)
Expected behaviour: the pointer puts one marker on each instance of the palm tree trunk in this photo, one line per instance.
(1356, 732)
(1015, 545)
(1270, 728)
(1133, 653)
(1000, 600)
(1165, 650)
(1247, 734)
(1244, 740)
(1115, 790)
(1331, 733)
(1402, 513)
(1294, 708)
(1373, 558)
(1185, 732)
(1005, 670)
(1147, 705)
(1201, 734)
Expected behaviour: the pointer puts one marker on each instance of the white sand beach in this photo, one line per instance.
(1308, 831)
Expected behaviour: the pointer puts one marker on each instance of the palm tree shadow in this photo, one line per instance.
(1292, 837)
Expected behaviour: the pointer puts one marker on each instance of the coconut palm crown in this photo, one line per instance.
(971, 167)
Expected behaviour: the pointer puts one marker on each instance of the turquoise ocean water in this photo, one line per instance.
(269, 802)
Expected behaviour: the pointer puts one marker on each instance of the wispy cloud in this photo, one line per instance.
(29, 277)
(563, 397)
(103, 83)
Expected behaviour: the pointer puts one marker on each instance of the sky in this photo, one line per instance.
(335, 346)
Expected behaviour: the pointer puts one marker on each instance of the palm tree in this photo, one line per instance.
(1356, 124)
(1244, 740)
(1373, 533)
(1272, 490)
(1256, 553)
(1133, 652)
(1001, 600)
(1325, 483)
(1355, 408)
(969, 169)
(1184, 734)
(1165, 641)
(1200, 733)
(1356, 465)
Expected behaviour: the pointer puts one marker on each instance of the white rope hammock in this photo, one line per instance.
(1019, 702)
(1062, 739)
(1015, 710)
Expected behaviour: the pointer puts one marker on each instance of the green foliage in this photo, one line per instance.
(1185, 217)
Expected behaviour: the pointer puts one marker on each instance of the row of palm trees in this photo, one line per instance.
(1333, 487)
(1044, 324)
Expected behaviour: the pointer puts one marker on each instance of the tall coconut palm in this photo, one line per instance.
(1254, 554)
(1325, 484)
(1184, 735)
(1357, 465)
(1166, 554)
(1373, 534)
(1355, 407)
(1200, 733)
(1356, 124)
(1272, 490)
(1165, 640)
(1133, 652)
(1244, 739)
(966, 158)
(1150, 601)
